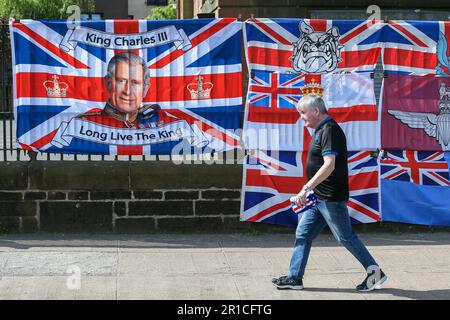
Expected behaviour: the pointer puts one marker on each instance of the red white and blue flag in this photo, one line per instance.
(415, 187)
(416, 47)
(347, 46)
(363, 175)
(272, 178)
(283, 55)
(311, 201)
(272, 122)
(195, 78)
(419, 167)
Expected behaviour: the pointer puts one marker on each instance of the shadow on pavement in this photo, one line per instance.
(443, 294)
(191, 241)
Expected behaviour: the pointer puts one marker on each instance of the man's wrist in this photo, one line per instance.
(306, 188)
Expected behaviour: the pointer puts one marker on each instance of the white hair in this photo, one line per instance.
(312, 101)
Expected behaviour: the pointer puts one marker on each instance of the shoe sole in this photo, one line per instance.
(376, 286)
(288, 287)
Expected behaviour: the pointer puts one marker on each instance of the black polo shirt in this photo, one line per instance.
(329, 138)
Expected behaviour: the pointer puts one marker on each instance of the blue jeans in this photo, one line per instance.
(335, 215)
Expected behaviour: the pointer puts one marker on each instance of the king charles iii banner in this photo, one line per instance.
(127, 87)
(288, 58)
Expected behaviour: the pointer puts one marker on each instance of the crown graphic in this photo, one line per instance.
(55, 88)
(444, 99)
(312, 88)
(200, 90)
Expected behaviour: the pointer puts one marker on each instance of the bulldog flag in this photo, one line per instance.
(127, 87)
(312, 45)
(415, 113)
(285, 55)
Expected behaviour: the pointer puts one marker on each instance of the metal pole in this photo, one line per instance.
(3, 76)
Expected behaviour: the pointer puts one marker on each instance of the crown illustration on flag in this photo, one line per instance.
(312, 88)
(200, 90)
(55, 88)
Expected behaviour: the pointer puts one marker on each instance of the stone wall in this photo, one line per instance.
(144, 196)
(133, 197)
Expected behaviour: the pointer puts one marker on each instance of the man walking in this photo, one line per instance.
(327, 174)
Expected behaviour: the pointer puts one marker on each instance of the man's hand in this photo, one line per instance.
(300, 199)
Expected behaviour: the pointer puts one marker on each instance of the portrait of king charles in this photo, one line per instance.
(127, 81)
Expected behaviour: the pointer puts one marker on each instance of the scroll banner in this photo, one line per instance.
(106, 40)
(85, 130)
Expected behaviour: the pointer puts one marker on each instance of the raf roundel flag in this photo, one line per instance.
(130, 87)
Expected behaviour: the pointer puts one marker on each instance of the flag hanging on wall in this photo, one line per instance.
(271, 178)
(127, 87)
(284, 55)
(415, 187)
(272, 122)
(312, 45)
(415, 113)
(415, 116)
(416, 47)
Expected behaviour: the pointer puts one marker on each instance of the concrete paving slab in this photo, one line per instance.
(57, 263)
(172, 264)
(55, 288)
(219, 287)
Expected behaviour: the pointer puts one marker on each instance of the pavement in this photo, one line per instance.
(215, 267)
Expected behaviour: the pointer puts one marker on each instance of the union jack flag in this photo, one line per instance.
(311, 201)
(269, 43)
(272, 121)
(272, 178)
(416, 47)
(363, 173)
(275, 90)
(213, 54)
(419, 167)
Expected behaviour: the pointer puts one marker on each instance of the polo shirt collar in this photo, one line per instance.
(323, 122)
